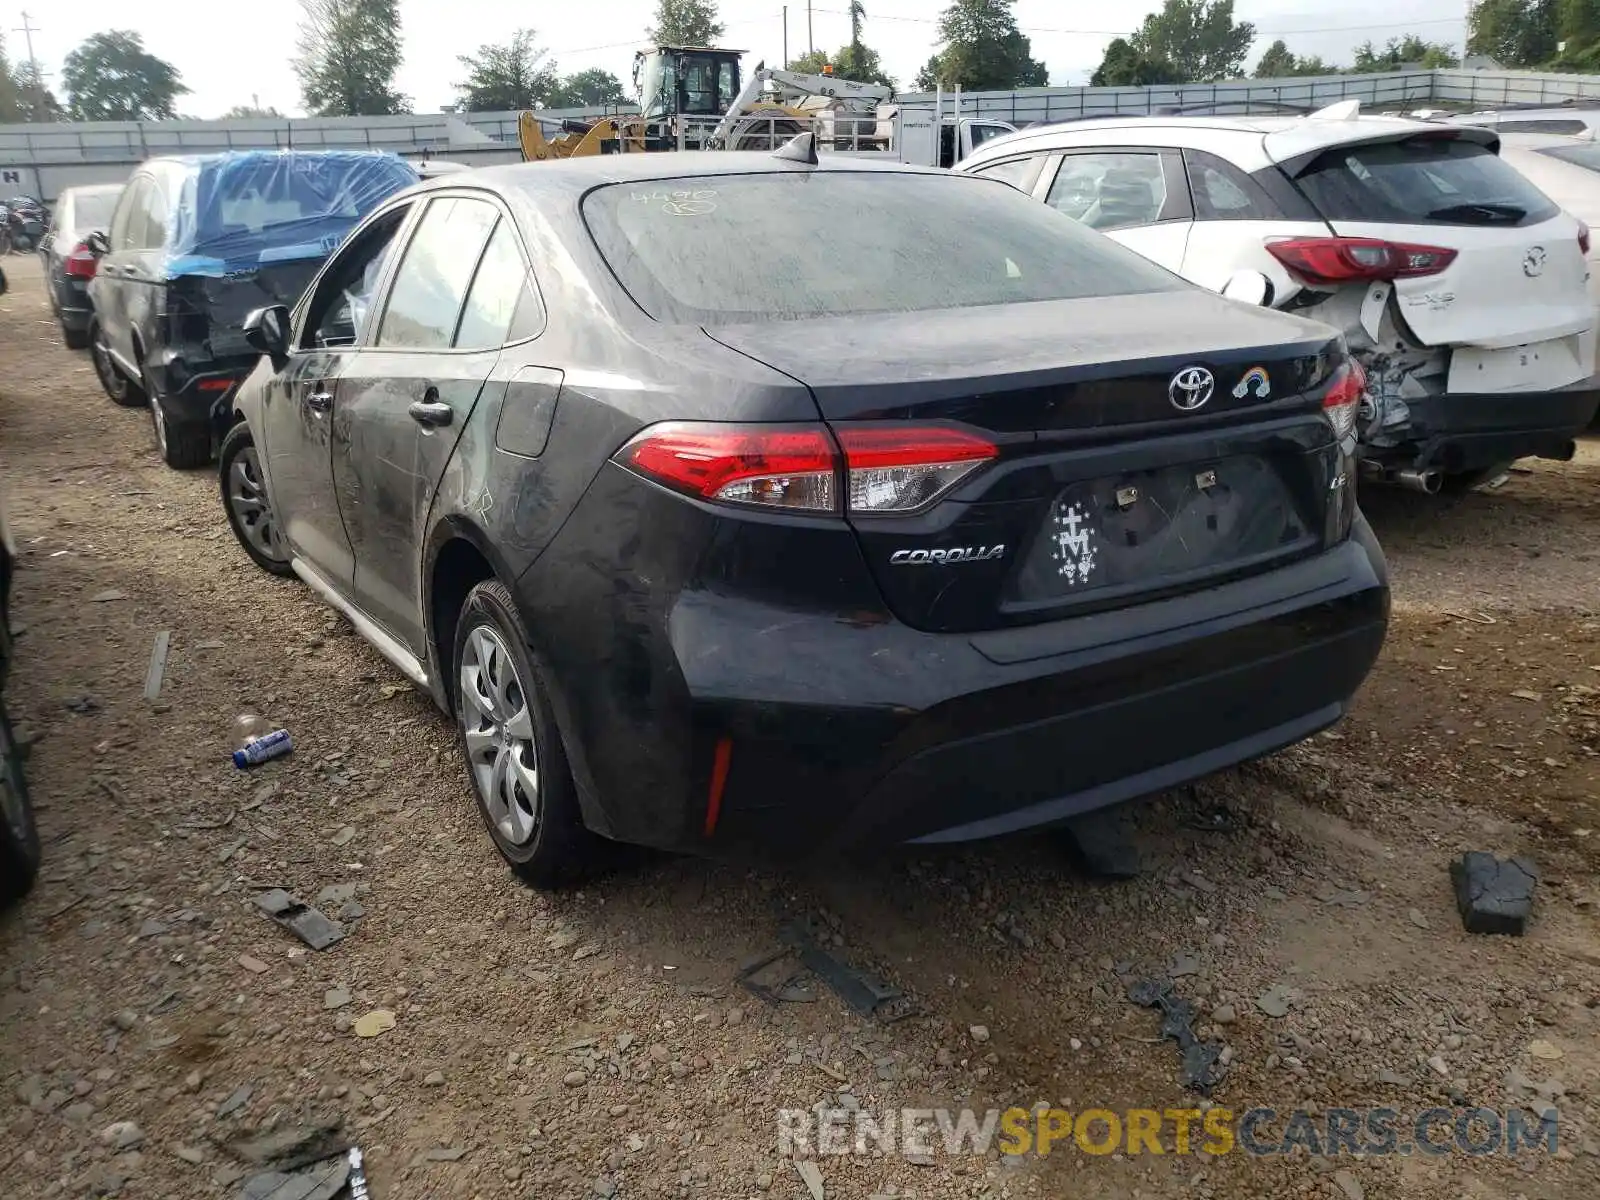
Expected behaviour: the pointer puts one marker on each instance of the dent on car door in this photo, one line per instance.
(406, 398)
(1135, 196)
(298, 403)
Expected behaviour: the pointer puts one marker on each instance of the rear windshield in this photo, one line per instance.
(92, 210)
(735, 248)
(1422, 181)
(1586, 155)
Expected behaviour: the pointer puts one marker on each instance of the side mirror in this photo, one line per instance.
(267, 330)
(1249, 287)
(97, 243)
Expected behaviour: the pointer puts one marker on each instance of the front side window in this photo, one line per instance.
(344, 294)
(153, 234)
(1110, 191)
(128, 223)
(790, 245)
(431, 282)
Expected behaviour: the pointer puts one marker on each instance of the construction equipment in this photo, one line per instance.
(692, 98)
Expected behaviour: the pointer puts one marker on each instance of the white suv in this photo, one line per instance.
(1459, 286)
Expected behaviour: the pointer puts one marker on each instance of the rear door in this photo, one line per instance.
(1518, 275)
(110, 286)
(1134, 195)
(406, 396)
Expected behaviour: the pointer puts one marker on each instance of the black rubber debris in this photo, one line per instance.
(1202, 1061)
(299, 918)
(779, 977)
(1495, 895)
(1101, 843)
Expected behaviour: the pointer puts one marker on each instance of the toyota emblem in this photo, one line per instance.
(1533, 262)
(1191, 388)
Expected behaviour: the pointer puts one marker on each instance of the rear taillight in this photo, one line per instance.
(1583, 238)
(775, 466)
(1355, 260)
(80, 264)
(895, 469)
(884, 469)
(1343, 399)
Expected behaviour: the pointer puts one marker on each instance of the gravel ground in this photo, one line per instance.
(596, 1043)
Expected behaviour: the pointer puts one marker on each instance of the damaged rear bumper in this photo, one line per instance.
(1455, 432)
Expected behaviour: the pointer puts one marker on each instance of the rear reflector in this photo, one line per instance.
(214, 385)
(80, 264)
(1355, 260)
(1583, 238)
(896, 469)
(1342, 402)
(772, 466)
(888, 468)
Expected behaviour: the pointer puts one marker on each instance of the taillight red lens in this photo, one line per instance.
(889, 468)
(1342, 402)
(1583, 238)
(899, 469)
(1354, 260)
(80, 264)
(774, 466)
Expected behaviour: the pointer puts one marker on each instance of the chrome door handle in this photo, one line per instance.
(431, 413)
(319, 402)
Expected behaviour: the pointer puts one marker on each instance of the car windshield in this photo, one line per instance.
(1421, 181)
(1586, 155)
(780, 246)
(92, 210)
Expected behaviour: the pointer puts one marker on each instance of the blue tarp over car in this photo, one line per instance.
(247, 209)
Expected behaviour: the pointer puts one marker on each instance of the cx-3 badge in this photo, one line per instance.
(1533, 262)
(1191, 388)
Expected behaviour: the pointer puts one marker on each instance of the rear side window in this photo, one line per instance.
(1422, 181)
(796, 244)
(1110, 190)
(501, 306)
(1222, 192)
(431, 281)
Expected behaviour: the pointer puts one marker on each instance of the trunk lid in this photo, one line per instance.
(1518, 276)
(1104, 490)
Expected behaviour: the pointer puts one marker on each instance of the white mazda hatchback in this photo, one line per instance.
(1459, 286)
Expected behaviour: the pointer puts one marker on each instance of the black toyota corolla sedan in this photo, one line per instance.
(737, 503)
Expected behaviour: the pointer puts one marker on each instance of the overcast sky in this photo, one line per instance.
(227, 60)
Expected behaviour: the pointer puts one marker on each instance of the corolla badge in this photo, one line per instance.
(1254, 380)
(1533, 262)
(946, 558)
(1191, 388)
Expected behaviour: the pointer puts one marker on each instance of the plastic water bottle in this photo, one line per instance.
(256, 740)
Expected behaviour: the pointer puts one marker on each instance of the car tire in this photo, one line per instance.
(183, 446)
(75, 339)
(508, 733)
(19, 836)
(115, 384)
(249, 507)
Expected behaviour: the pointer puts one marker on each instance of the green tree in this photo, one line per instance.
(586, 89)
(1278, 62)
(514, 75)
(686, 23)
(38, 103)
(252, 112)
(1577, 22)
(112, 77)
(1198, 37)
(10, 93)
(1123, 66)
(1515, 33)
(983, 50)
(349, 51)
(1398, 52)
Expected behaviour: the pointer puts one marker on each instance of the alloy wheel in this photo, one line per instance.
(497, 726)
(252, 507)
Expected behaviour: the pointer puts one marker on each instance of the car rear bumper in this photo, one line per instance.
(749, 729)
(1465, 431)
(193, 388)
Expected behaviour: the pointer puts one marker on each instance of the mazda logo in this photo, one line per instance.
(1191, 388)
(1533, 262)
